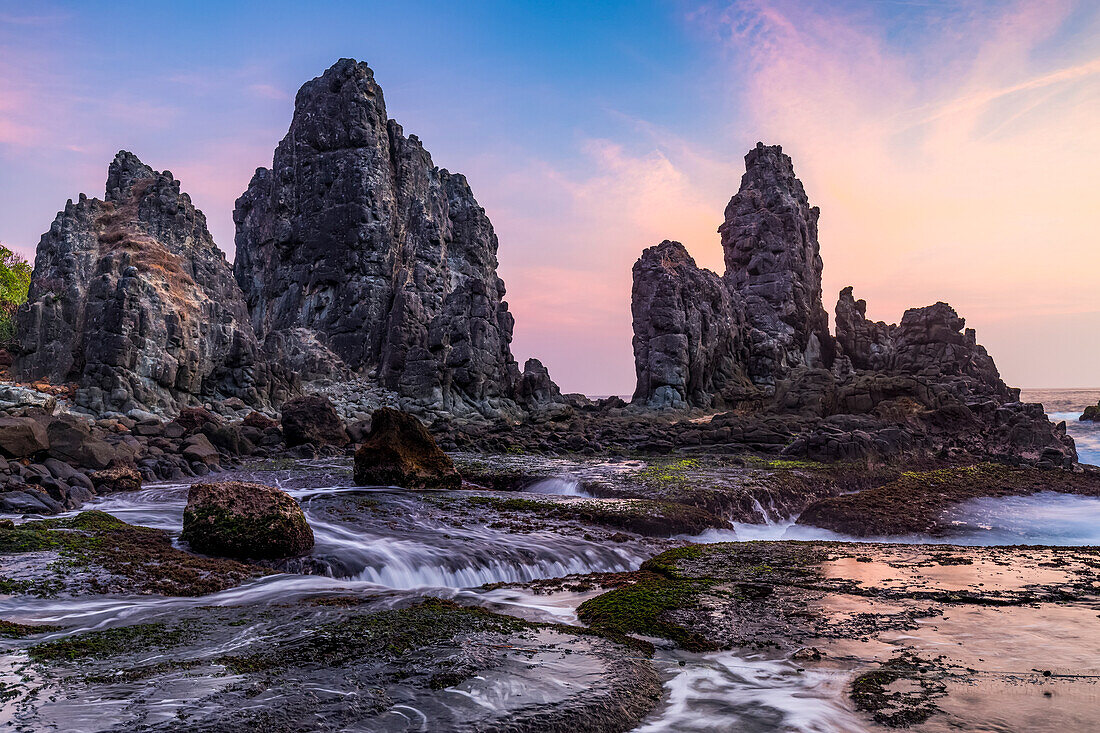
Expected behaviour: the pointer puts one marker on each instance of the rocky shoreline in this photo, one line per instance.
(364, 515)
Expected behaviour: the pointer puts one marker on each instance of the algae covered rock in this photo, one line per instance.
(1091, 413)
(240, 519)
(399, 451)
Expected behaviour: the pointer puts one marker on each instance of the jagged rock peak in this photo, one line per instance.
(931, 342)
(354, 241)
(687, 345)
(131, 299)
(773, 260)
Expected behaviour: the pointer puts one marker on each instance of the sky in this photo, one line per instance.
(952, 146)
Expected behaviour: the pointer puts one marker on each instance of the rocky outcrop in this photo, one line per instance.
(687, 332)
(355, 247)
(773, 261)
(131, 300)
(399, 451)
(930, 342)
(244, 520)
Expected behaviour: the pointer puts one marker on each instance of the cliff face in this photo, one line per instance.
(131, 299)
(687, 332)
(356, 241)
(773, 261)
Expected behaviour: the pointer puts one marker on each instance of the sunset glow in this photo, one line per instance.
(951, 146)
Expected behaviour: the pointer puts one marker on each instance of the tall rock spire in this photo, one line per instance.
(773, 261)
(356, 241)
(131, 299)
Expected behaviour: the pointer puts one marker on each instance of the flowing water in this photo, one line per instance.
(396, 545)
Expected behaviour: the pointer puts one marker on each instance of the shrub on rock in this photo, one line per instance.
(312, 419)
(244, 520)
(399, 451)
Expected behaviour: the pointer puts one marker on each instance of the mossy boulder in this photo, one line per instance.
(1091, 413)
(399, 451)
(244, 520)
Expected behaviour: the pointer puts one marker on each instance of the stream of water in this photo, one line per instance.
(407, 551)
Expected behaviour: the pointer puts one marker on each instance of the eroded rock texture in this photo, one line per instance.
(355, 240)
(687, 332)
(773, 260)
(131, 299)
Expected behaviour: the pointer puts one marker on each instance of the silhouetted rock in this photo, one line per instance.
(399, 451)
(131, 299)
(535, 390)
(773, 261)
(1091, 413)
(244, 520)
(312, 419)
(356, 253)
(687, 340)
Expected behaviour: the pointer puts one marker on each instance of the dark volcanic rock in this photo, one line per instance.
(868, 344)
(22, 437)
(773, 261)
(312, 419)
(399, 451)
(355, 246)
(119, 478)
(244, 520)
(1091, 413)
(535, 390)
(687, 332)
(131, 299)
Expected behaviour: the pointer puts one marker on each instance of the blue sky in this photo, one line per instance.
(948, 143)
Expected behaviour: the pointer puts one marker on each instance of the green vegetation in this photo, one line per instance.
(382, 635)
(15, 280)
(135, 558)
(110, 642)
(652, 518)
(643, 606)
(12, 630)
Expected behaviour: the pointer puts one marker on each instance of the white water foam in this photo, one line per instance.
(558, 486)
(725, 691)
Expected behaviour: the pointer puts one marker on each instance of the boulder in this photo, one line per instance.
(244, 520)
(198, 449)
(29, 502)
(119, 478)
(399, 451)
(1091, 413)
(259, 421)
(72, 441)
(312, 419)
(22, 437)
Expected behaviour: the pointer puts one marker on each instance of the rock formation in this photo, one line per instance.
(929, 342)
(131, 299)
(773, 261)
(399, 451)
(354, 246)
(687, 332)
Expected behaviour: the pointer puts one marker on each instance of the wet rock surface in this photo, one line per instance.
(244, 520)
